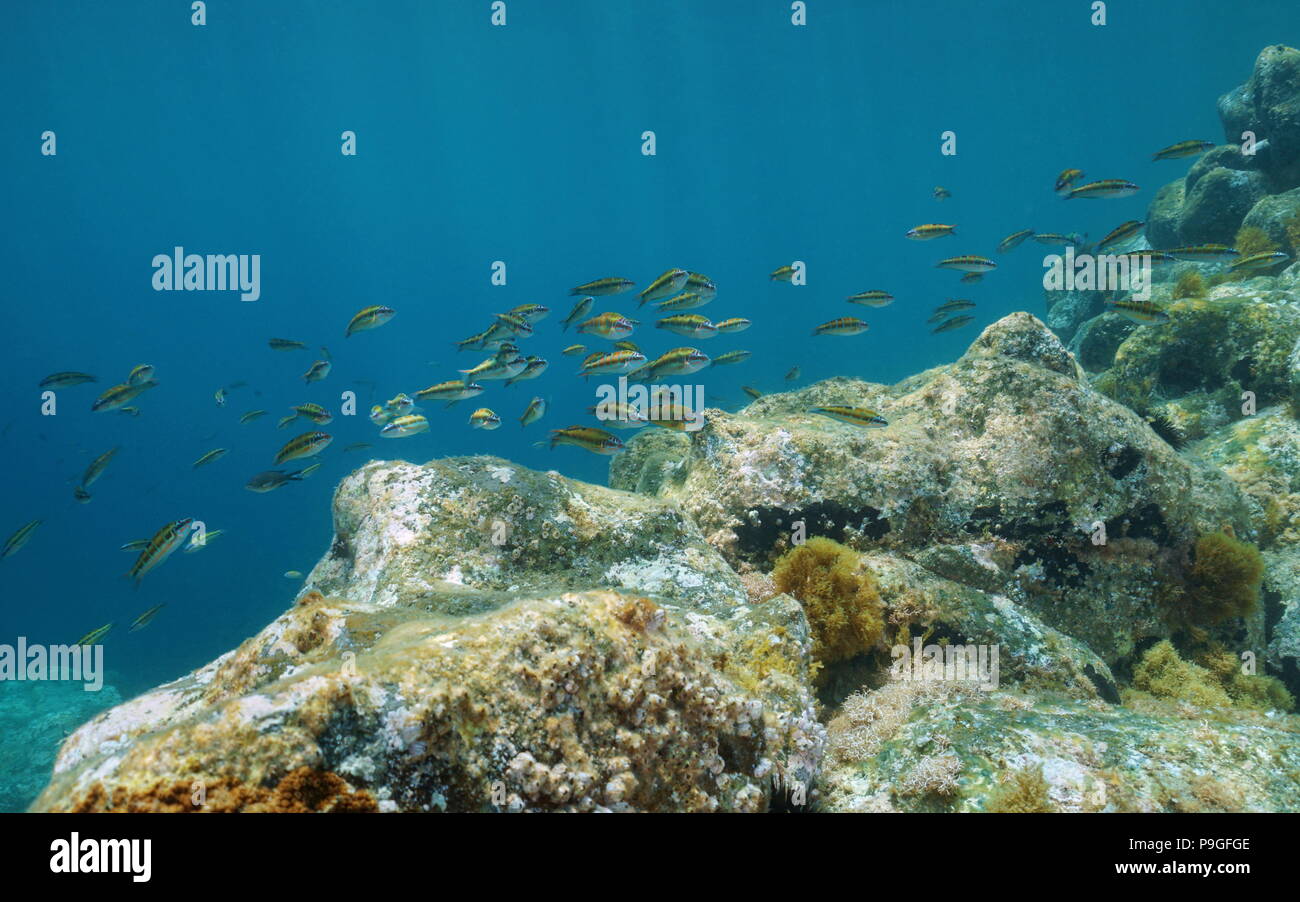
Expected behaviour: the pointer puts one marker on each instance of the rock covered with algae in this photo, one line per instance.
(1005, 471)
(480, 637)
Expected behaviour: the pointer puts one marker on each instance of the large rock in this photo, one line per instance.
(480, 636)
(1278, 215)
(1009, 445)
(1163, 215)
(1269, 105)
(1213, 210)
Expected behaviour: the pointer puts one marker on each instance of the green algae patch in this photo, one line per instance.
(1223, 580)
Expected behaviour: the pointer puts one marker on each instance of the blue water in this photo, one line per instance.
(521, 144)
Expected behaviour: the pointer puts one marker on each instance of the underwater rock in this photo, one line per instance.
(1163, 214)
(1269, 105)
(1225, 156)
(604, 657)
(1068, 310)
(1010, 444)
(1095, 343)
(1278, 215)
(933, 746)
(1213, 211)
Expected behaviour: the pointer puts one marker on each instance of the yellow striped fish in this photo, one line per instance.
(308, 444)
(844, 325)
(93, 637)
(589, 438)
(19, 539)
(602, 287)
(968, 263)
(160, 547)
(1105, 188)
(930, 230)
(369, 318)
(666, 285)
(854, 416)
(1182, 149)
(608, 325)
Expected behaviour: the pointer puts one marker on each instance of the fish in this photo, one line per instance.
(679, 362)
(955, 323)
(1056, 238)
(478, 342)
(220, 396)
(1120, 232)
(683, 301)
(1141, 312)
(1258, 261)
(574, 350)
(619, 415)
(1014, 240)
(626, 346)
(941, 193)
(142, 621)
(67, 379)
(1104, 188)
(164, 542)
(251, 415)
(314, 412)
(873, 298)
(674, 417)
(356, 446)
(120, 395)
(286, 420)
(530, 313)
(608, 325)
(194, 544)
(1202, 253)
(535, 410)
(701, 285)
(782, 274)
(269, 480)
(954, 305)
(94, 636)
(451, 391)
(318, 371)
(484, 418)
(731, 357)
(732, 325)
(1182, 149)
(135, 545)
(82, 496)
(1066, 180)
(307, 471)
(405, 426)
(20, 538)
(752, 392)
(930, 231)
(369, 318)
(579, 311)
(844, 325)
(666, 285)
(792, 374)
(854, 416)
(97, 467)
(615, 362)
(286, 344)
(498, 367)
(293, 574)
(534, 368)
(309, 444)
(971, 278)
(691, 325)
(140, 375)
(1154, 258)
(589, 438)
(603, 287)
(968, 263)
(514, 326)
